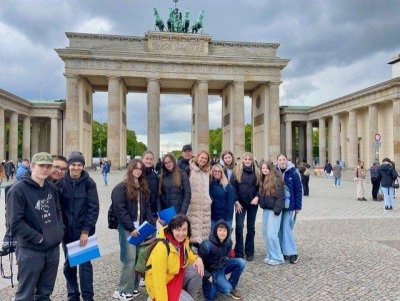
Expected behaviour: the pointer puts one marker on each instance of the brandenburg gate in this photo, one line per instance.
(170, 62)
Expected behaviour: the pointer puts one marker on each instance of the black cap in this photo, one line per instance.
(76, 157)
(187, 147)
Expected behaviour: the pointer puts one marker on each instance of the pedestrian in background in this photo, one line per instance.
(245, 182)
(374, 173)
(105, 171)
(387, 175)
(293, 205)
(304, 170)
(272, 201)
(360, 173)
(2, 173)
(80, 206)
(184, 159)
(337, 173)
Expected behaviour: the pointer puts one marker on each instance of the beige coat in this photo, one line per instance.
(199, 212)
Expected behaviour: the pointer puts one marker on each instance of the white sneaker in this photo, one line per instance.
(271, 262)
(142, 283)
(122, 296)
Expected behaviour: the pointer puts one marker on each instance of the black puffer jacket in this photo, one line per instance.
(80, 205)
(35, 214)
(184, 164)
(387, 174)
(152, 181)
(247, 189)
(126, 210)
(275, 203)
(214, 252)
(174, 196)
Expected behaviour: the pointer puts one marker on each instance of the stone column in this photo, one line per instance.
(26, 140)
(274, 121)
(13, 141)
(372, 130)
(353, 139)
(238, 119)
(35, 136)
(114, 122)
(202, 116)
(396, 132)
(309, 134)
(2, 134)
(72, 121)
(289, 138)
(302, 142)
(54, 136)
(322, 142)
(153, 116)
(335, 138)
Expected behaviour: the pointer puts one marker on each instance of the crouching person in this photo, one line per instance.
(217, 265)
(173, 271)
(36, 220)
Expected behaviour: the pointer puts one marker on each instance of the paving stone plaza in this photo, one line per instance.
(349, 250)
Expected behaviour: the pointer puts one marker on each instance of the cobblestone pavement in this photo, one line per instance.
(349, 250)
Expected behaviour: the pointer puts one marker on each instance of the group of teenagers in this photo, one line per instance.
(195, 247)
(199, 250)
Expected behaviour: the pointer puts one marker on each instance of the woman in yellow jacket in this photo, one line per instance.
(177, 275)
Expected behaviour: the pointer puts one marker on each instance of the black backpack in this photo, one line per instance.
(112, 218)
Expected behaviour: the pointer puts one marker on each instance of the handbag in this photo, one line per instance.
(395, 184)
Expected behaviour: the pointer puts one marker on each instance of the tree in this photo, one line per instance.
(215, 141)
(248, 130)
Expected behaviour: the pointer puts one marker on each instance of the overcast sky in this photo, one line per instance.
(335, 48)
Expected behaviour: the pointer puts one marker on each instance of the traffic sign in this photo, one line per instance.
(377, 137)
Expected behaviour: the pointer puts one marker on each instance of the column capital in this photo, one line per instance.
(202, 81)
(152, 79)
(113, 77)
(396, 99)
(238, 82)
(275, 83)
(71, 76)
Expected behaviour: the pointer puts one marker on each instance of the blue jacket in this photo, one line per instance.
(293, 187)
(387, 174)
(223, 201)
(21, 171)
(105, 168)
(80, 205)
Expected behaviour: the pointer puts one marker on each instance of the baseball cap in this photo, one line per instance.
(42, 158)
(187, 147)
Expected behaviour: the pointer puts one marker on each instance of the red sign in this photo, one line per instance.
(377, 137)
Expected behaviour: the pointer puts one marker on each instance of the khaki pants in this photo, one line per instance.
(360, 188)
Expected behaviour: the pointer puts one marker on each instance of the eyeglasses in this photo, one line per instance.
(59, 168)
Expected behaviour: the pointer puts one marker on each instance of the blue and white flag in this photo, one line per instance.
(78, 255)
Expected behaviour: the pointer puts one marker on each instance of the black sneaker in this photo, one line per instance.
(294, 259)
(364, 199)
(391, 208)
(286, 257)
(359, 199)
(249, 258)
(386, 208)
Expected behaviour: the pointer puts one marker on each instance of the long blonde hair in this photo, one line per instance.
(238, 170)
(224, 180)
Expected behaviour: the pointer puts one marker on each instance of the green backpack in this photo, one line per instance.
(144, 252)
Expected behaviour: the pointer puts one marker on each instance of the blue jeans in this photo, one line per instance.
(235, 267)
(388, 196)
(85, 279)
(127, 279)
(270, 226)
(337, 181)
(251, 220)
(286, 237)
(105, 178)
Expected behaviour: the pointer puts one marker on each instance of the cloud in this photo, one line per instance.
(95, 25)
